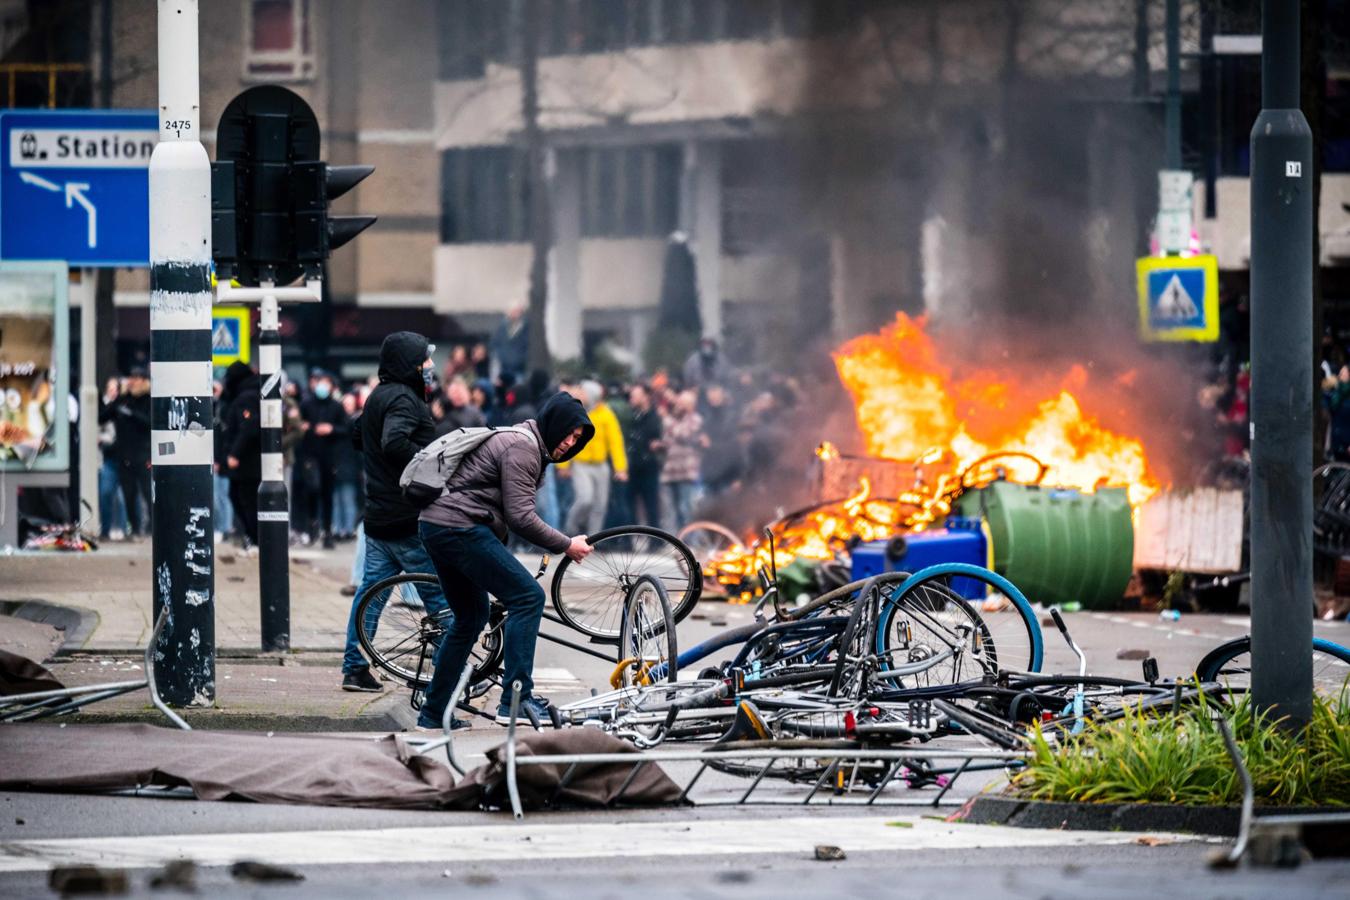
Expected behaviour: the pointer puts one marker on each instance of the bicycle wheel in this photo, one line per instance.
(400, 637)
(1011, 631)
(1231, 664)
(589, 596)
(707, 539)
(647, 651)
(935, 633)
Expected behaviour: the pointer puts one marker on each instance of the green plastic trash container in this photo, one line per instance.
(1058, 545)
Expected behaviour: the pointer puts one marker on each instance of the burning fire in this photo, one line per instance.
(912, 405)
(908, 402)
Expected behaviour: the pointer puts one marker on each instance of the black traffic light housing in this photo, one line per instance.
(270, 191)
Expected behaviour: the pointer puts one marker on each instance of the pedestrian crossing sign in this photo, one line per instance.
(1178, 298)
(229, 335)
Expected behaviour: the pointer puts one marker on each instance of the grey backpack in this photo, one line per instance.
(425, 477)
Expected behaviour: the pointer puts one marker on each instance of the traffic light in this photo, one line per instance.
(270, 191)
(317, 232)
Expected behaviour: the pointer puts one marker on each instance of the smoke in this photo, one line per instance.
(1000, 192)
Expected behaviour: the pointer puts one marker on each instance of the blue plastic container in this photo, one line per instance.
(962, 540)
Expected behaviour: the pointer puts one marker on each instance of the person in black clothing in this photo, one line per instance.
(130, 415)
(243, 444)
(645, 456)
(394, 425)
(721, 467)
(325, 423)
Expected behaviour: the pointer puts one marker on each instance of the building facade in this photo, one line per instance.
(829, 161)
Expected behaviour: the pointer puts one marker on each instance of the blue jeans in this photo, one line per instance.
(344, 507)
(224, 509)
(471, 563)
(112, 510)
(385, 559)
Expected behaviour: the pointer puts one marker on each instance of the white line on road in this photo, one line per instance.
(529, 840)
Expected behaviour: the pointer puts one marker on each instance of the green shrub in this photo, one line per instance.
(1180, 758)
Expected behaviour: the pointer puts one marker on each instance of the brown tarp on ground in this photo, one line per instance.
(20, 675)
(319, 770)
(590, 785)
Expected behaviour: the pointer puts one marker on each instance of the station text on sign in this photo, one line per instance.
(54, 148)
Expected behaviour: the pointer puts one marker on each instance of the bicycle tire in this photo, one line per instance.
(729, 538)
(659, 627)
(593, 603)
(1008, 633)
(1224, 664)
(488, 650)
(936, 617)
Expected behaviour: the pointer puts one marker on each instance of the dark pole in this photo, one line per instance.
(1282, 378)
(1173, 84)
(273, 516)
(105, 314)
(537, 189)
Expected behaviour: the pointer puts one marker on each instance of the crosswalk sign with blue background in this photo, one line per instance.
(75, 185)
(1178, 298)
(230, 337)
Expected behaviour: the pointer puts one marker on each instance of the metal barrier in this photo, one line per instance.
(838, 763)
(41, 704)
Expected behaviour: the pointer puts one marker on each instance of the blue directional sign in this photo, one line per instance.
(1178, 298)
(74, 185)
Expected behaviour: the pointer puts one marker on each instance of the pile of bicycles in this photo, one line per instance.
(876, 666)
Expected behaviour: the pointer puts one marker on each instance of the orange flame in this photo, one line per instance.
(911, 405)
(908, 401)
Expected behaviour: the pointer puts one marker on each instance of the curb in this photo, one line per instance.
(1221, 821)
(76, 623)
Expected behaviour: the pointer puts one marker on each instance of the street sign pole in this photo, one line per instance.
(274, 574)
(1282, 378)
(182, 492)
(273, 503)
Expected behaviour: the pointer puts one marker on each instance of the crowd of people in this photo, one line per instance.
(664, 445)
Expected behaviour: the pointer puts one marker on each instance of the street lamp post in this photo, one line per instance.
(1282, 378)
(182, 493)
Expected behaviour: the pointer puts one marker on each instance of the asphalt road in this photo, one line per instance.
(760, 851)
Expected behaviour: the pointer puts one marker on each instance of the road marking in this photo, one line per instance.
(529, 840)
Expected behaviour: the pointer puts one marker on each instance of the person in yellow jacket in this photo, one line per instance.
(591, 469)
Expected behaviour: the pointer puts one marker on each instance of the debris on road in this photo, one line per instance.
(178, 874)
(73, 881)
(250, 870)
(1131, 653)
(826, 853)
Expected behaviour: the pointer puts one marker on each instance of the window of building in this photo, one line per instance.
(483, 195)
(279, 44)
(630, 191)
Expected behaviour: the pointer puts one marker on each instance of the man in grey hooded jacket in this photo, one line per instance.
(464, 531)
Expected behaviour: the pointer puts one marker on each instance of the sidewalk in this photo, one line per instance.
(110, 591)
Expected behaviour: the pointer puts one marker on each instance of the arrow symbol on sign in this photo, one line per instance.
(39, 181)
(75, 193)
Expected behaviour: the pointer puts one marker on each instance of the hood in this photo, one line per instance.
(237, 377)
(557, 417)
(401, 358)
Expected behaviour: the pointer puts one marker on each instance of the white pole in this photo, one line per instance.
(183, 580)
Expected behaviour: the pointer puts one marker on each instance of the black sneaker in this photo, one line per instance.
(361, 680)
(538, 704)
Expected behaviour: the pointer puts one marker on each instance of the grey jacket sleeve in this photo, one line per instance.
(520, 474)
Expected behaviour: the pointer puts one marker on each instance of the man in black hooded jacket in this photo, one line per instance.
(394, 425)
(242, 444)
(492, 492)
